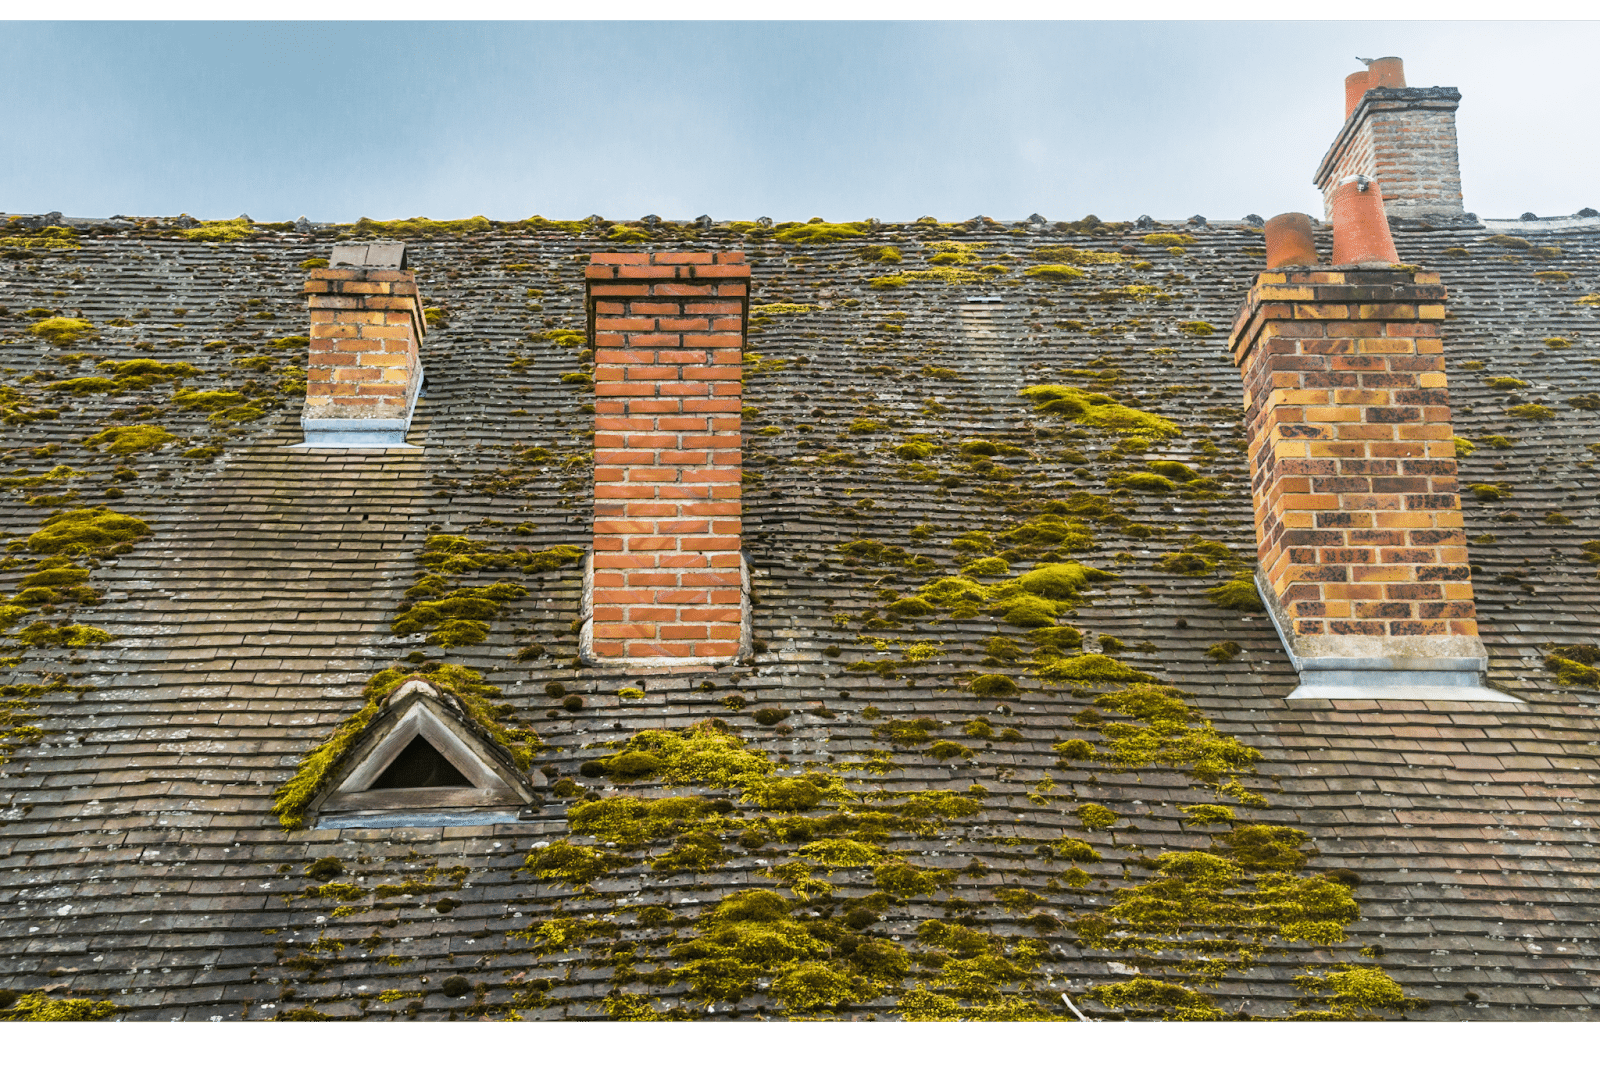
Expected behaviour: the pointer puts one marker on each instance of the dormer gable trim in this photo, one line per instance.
(418, 709)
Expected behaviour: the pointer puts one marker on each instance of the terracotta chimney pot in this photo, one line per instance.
(1355, 87)
(1388, 73)
(1289, 241)
(1360, 228)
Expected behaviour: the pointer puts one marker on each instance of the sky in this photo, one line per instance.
(842, 120)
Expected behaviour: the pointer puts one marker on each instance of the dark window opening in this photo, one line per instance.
(421, 766)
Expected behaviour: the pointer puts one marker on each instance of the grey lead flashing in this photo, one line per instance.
(1329, 678)
(363, 432)
(1462, 686)
(417, 819)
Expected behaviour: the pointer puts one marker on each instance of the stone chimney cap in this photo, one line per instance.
(385, 255)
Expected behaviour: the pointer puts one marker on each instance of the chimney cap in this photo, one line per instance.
(382, 255)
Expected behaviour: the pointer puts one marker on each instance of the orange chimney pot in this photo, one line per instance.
(1289, 241)
(1360, 229)
(1355, 87)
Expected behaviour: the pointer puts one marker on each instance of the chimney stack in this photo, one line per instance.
(667, 585)
(1359, 533)
(365, 367)
(1402, 138)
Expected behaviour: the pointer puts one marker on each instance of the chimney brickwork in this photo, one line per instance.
(365, 365)
(1404, 138)
(1363, 553)
(668, 331)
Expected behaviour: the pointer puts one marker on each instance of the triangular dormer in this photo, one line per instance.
(424, 761)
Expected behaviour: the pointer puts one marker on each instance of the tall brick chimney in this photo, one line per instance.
(667, 585)
(1403, 138)
(1359, 533)
(367, 329)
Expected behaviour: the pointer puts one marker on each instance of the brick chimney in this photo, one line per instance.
(1403, 138)
(367, 328)
(667, 585)
(1359, 533)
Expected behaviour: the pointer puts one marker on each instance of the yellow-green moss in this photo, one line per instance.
(817, 231)
(1055, 272)
(567, 862)
(993, 686)
(44, 635)
(1574, 665)
(419, 227)
(1141, 481)
(1145, 997)
(950, 275)
(87, 532)
(142, 373)
(1349, 992)
(782, 309)
(1097, 409)
(1091, 669)
(62, 332)
(1239, 594)
(222, 230)
(39, 1007)
(1062, 253)
(126, 440)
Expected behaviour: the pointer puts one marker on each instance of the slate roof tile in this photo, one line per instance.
(249, 620)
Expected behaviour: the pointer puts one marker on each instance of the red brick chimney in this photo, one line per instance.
(667, 584)
(365, 367)
(1403, 138)
(1359, 533)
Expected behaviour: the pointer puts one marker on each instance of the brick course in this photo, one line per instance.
(1352, 457)
(367, 329)
(667, 330)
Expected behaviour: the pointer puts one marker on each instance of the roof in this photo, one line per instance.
(141, 861)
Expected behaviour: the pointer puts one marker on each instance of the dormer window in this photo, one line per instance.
(423, 761)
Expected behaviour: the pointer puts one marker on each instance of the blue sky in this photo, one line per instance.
(741, 119)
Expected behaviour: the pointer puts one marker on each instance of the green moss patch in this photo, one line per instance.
(1238, 595)
(1091, 669)
(1056, 272)
(818, 232)
(221, 230)
(128, 440)
(95, 532)
(1063, 253)
(62, 332)
(419, 228)
(44, 635)
(39, 1007)
(1097, 409)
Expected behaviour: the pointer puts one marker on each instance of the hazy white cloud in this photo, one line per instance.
(792, 120)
